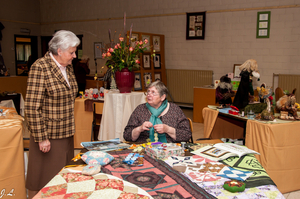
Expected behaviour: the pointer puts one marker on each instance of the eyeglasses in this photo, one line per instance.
(151, 93)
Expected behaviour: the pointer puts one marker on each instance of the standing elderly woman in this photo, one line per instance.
(158, 118)
(49, 107)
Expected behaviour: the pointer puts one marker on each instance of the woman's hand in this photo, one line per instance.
(163, 128)
(45, 146)
(146, 126)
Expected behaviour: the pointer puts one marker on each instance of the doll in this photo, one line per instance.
(245, 89)
(224, 92)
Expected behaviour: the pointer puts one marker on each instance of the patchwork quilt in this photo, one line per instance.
(156, 177)
(68, 184)
(205, 176)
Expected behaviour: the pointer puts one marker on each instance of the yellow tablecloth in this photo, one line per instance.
(12, 172)
(83, 123)
(278, 145)
(116, 112)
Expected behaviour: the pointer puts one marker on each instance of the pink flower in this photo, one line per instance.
(103, 55)
(137, 42)
(121, 39)
(116, 46)
(130, 49)
(119, 46)
(108, 54)
(146, 41)
(141, 42)
(137, 61)
(111, 50)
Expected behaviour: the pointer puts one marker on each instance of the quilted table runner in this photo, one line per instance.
(250, 163)
(156, 177)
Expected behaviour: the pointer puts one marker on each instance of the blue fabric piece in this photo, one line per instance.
(97, 157)
(224, 110)
(154, 119)
(231, 173)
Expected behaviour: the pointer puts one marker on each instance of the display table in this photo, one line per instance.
(83, 123)
(116, 112)
(278, 145)
(12, 172)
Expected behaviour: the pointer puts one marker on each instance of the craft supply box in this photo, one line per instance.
(168, 149)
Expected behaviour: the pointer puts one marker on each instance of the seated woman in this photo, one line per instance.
(158, 118)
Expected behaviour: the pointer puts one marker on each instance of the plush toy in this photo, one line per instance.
(224, 92)
(288, 103)
(245, 92)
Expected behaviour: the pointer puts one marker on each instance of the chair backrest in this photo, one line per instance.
(98, 108)
(278, 93)
(191, 127)
(191, 124)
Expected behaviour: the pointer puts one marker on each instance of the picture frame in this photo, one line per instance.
(137, 82)
(135, 37)
(156, 61)
(156, 43)
(263, 24)
(146, 61)
(98, 50)
(236, 70)
(157, 76)
(147, 79)
(148, 38)
(195, 25)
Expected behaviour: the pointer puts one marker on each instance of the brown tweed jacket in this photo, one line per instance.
(49, 104)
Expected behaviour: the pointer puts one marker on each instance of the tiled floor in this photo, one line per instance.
(198, 133)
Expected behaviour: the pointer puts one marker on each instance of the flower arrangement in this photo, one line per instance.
(124, 54)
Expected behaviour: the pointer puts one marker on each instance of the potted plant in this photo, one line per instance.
(123, 58)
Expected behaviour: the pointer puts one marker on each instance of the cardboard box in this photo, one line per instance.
(163, 151)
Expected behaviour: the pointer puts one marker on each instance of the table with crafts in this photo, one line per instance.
(116, 113)
(12, 172)
(277, 142)
(168, 173)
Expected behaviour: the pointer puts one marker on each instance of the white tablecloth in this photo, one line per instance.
(116, 113)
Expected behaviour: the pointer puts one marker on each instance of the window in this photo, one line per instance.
(26, 53)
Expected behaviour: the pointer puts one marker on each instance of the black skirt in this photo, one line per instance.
(42, 167)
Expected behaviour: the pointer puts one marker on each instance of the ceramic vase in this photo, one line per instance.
(124, 80)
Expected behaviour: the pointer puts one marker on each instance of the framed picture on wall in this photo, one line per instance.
(236, 70)
(263, 24)
(137, 82)
(156, 43)
(157, 76)
(144, 37)
(147, 79)
(195, 25)
(135, 37)
(98, 50)
(156, 61)
(146, 62)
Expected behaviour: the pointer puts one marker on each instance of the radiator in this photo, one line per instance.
(289, 82)
(181, 83)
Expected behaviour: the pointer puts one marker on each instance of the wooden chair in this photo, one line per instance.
(191, 126)
(97, 115)
(278, 93)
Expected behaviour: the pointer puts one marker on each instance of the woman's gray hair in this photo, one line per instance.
(63, 39)
(160, 87)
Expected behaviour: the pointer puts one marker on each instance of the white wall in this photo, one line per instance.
(230, 36)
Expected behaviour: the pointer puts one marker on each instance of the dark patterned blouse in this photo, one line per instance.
(174, 118)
